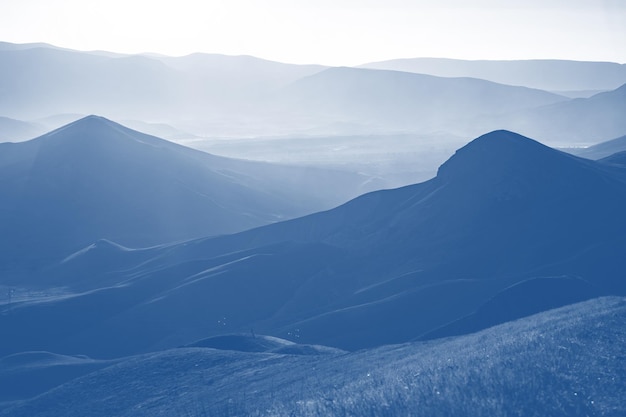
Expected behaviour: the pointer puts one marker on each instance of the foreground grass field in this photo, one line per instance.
(565, 362)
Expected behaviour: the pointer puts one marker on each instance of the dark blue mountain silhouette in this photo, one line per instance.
(384, 268)
(95, 179)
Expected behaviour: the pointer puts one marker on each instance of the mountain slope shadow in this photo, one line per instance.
(384, 268)
(95, 179)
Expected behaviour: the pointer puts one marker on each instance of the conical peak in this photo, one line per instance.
(87, 126)
(92, 121)
(94, 129)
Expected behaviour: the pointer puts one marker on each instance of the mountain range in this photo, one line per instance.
(399, 101)
(40, 80)
(140, 277)
(580, 121)
(505, 218)
(203, 95)
(572, 78)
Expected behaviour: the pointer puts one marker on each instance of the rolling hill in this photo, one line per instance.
(563, 362)
(504, 220)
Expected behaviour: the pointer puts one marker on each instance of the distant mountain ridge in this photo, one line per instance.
(15, 130)
(40, 80)
(584, 120)
(394, 100)
(600, 150)
(544, 74)
(208, 95)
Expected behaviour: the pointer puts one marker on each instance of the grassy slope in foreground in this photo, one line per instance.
(565, 362)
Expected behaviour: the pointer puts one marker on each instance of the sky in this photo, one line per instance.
(330, 32)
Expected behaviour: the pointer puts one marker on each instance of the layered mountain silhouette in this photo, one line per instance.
(241, 96)
(574, 77)
(203, 94)
(14, 130)
(504, 215)
(95, 179)
(142, 277)
(601, 150)
(39, 80)
(395, 100)
(580, 121)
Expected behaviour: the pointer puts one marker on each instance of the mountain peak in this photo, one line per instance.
(495, 152)
(501, 141)
(94, 129)
(93, 117)
(91, 122)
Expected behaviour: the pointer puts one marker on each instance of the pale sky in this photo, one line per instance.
(331, 32)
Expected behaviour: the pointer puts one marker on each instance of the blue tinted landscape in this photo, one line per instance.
(221, 235)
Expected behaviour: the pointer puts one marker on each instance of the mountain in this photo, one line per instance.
(237, 77)
(564, 362)
(393, 100)
(95, 179)
(505, 218)
(580, 121)
(200, 90)
(41, 81)
(579, 78)
(15, 130)
(204, 95)
(601, 150)
(7, 46)
(618, 158)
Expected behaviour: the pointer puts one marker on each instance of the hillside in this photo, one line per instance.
(563, 362)
(387, 267)
(95, 179)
